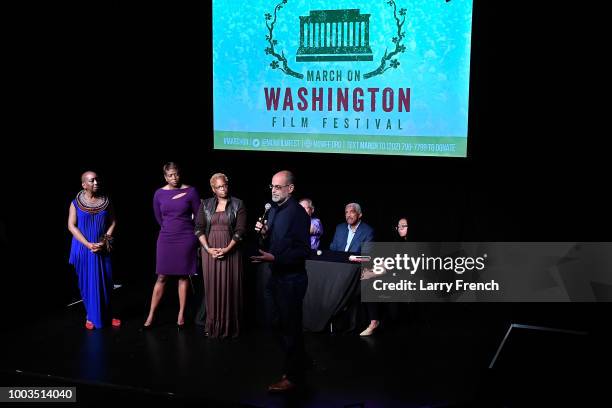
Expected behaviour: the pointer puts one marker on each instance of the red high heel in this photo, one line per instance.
(89, 325)
(116, 323)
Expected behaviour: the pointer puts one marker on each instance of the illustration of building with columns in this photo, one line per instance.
(334, 35)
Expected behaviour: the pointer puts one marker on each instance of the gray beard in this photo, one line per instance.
(280, 201)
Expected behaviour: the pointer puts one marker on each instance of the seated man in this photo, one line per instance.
(351, 234)
(316, 228)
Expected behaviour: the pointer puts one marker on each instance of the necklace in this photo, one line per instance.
(91, 206)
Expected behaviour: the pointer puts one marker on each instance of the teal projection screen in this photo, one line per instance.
(359, 76)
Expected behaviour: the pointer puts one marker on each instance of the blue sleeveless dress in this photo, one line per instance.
(93, 270)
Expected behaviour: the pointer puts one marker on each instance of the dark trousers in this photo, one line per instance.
(286, 292)
(373, 309)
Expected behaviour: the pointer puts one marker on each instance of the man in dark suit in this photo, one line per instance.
(351, 234)
(287, 239)
(348, 238)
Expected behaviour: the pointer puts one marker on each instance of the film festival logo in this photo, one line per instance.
(335, 36)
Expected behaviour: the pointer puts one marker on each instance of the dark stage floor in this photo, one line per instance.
(437, 357)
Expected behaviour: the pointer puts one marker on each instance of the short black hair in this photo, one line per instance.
(171, 165)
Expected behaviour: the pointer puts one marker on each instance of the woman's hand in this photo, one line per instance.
(222, 251)
(367, 273)
(95, 247)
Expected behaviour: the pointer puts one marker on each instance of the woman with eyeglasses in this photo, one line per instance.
(374, 309)
(174, 205)
(220, 228)
(402, 229)
(394, 310)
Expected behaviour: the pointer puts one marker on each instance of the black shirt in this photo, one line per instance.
(288, 236)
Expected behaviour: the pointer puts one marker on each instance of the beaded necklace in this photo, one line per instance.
(87, 207)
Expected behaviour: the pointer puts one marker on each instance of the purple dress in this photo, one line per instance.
(176, 244)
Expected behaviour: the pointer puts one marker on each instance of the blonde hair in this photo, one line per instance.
(216, 176)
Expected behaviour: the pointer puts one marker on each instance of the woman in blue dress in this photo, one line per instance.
(91, 222)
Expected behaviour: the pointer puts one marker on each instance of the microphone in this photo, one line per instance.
(260, 237)
(267, 208)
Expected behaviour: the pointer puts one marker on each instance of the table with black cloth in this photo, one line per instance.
(333, 294)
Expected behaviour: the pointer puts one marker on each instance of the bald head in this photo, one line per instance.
(282, 186)
(88, 175)
(288, 176)
(89, 182)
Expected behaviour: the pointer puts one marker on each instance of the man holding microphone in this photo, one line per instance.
(287, 241)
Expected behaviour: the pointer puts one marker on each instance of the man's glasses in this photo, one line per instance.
(277, 187)
(222, 186)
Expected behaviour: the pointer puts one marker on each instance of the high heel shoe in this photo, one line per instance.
(370, 330)
(89, 325)
(147, 327)
(180, 326)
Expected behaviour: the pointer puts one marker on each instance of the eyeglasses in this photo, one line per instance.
(277, 187)
(222, 186)
(402, 226)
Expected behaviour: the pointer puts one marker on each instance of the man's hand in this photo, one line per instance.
(264, 257)
(262, 227)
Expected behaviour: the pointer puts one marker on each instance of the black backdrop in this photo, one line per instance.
(122, 88)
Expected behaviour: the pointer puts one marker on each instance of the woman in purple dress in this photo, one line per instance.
(175, 206)
(91, 222)
(220, 227)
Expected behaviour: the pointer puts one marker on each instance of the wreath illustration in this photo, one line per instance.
(280, 61)
(270, 50)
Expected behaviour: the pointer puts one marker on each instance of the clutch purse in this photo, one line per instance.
(107, 243)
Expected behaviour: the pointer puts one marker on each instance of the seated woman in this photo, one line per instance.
(372, 308)
(402, 230)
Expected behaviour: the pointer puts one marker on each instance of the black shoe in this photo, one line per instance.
(308, 364)
(180, 327)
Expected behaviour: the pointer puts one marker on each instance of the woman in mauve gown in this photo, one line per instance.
(220, 227)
